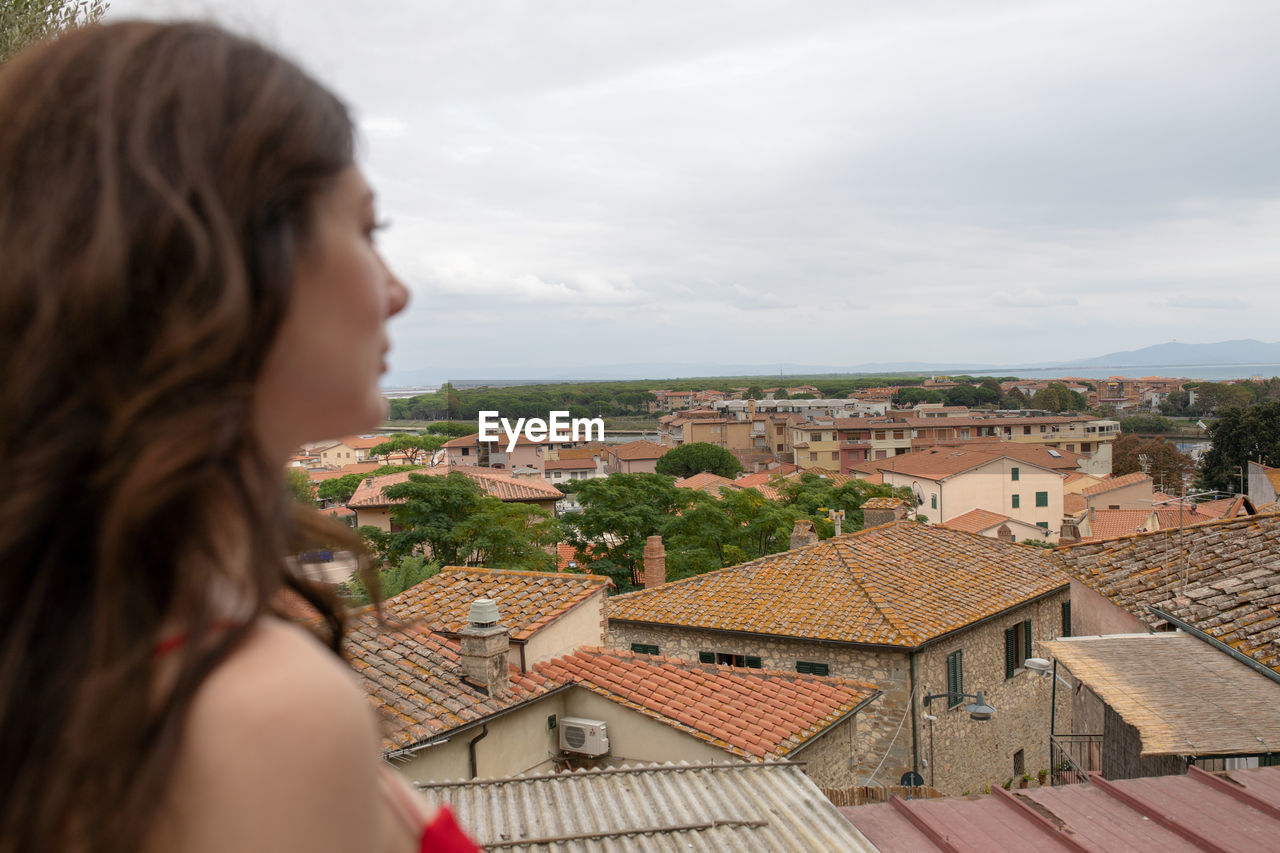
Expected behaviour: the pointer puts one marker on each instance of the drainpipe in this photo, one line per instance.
(915, 725)
(471, 748)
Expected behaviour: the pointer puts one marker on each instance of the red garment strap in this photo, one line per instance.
(177, 641)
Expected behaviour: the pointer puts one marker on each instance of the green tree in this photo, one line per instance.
(618, 513)
(300, 487)
(412, 446)
(452, 520)
(1056, 397)
(1239, 436)
(451, 429)
(339, 490)
(689, 459)
(23, 22)
(1146, 423)
(755, 392)
(1163, 461)
(406, 574)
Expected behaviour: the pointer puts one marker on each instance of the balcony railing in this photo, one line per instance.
(1074, 757)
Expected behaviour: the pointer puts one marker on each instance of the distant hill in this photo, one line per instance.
(1176, 354)
(1170, 356)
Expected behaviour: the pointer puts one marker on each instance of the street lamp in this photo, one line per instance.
(978, 709)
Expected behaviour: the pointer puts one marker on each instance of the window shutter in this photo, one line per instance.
(753, 662)
(955, 678)
(803, 667)
(1010, 651)
(1026, 635)
(1066, 618)
(1016, 499)
(1014, 474)
(706, 657)
(821, 669)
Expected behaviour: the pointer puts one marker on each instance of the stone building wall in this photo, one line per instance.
(875, 733)
(967, 754)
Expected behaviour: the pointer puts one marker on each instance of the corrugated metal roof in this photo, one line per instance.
(641, 808)
(1166, 813)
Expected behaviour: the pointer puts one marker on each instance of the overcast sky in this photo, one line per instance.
(821, 182)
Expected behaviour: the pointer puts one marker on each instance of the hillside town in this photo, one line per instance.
(947, 613)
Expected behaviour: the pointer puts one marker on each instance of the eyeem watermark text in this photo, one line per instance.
(559, 428)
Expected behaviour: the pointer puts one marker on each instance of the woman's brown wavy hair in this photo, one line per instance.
(155, 187)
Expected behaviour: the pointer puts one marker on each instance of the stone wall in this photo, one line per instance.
(967, 754)
(875, 732)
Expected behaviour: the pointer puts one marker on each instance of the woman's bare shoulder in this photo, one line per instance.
(280, 753)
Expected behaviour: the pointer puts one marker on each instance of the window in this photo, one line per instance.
(1066, 619)
(835, 456)
(817, 436)
(1013, 474)
(897, 433)
(955, 678)
(1017, 501)
(879, 435)
(729, 659)
(1026, 430)
(1086, 447)
(813, 457)
(1017, 647)
(1042, 498)
(644, 649)
(933, 501)
(811, 668)
(1019, 764)
(1043, 525)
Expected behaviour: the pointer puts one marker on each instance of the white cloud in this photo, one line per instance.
(976, 178)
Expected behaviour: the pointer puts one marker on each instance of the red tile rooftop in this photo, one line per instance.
(758, 713)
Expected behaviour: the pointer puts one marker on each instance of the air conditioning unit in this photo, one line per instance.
(585, 737)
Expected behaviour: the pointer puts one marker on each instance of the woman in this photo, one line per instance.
(189, 290)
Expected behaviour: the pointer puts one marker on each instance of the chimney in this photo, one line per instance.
(877, 511)
(837, 518)
(803, 534)
(655, 562)
(485, 645)
(1070, 534)
(1004, 534)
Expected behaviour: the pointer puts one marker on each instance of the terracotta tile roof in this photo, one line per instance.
(706, 482)
(364, 442)
(898, 584)
(760, 478)
(836, 478)
(1187, 517)
(882, 503)
(1073, 476)
(1073, 504)
(414, 681)
(336, 512)
(587, 464)
(939, 463)
(1170, 687)
(974, 521)
(1035, 454)
(1222, 577)
(1116, 483)
(1224, 508)
(768, 492)
(494, 482)
(565, 552)
(528, 601)
(1110, 523)
(751, 712)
